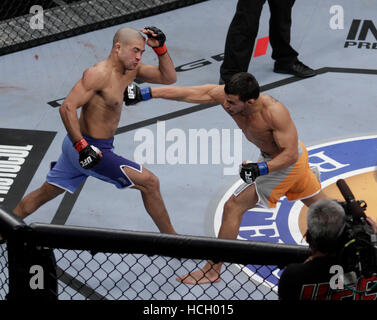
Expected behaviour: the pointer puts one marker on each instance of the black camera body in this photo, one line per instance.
(358, 243)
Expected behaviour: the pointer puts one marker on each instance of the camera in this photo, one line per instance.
(358, 243)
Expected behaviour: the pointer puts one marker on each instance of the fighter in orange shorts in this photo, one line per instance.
(296, 182)
(282, 170)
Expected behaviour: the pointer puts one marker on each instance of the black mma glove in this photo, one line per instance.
(160, 37)
(249, 171)
(89, 156)
(134, 94)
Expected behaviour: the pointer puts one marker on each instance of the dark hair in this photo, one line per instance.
(244, 85)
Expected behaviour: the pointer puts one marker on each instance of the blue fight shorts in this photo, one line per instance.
(67, 173)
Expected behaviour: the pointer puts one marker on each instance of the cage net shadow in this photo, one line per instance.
(23, 25)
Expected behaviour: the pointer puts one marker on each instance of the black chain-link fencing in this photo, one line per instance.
(51, 262)
(25, 24)
(108, 276)
(4, 276)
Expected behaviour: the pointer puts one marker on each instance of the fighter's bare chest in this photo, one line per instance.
(112, 95)
(254, 129)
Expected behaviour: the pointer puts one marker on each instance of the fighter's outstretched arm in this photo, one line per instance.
(194, 94)
(208, 93)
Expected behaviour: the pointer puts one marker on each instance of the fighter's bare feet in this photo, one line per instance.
(206, 275)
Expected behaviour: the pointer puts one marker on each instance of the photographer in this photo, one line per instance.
(311, 280)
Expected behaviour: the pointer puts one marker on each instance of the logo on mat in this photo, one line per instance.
(21, 152)
(353, 160)
(361, 34)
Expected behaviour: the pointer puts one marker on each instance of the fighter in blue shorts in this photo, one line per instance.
(68, 174)
(87, 149)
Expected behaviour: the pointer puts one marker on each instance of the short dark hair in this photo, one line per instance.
(244, 85)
